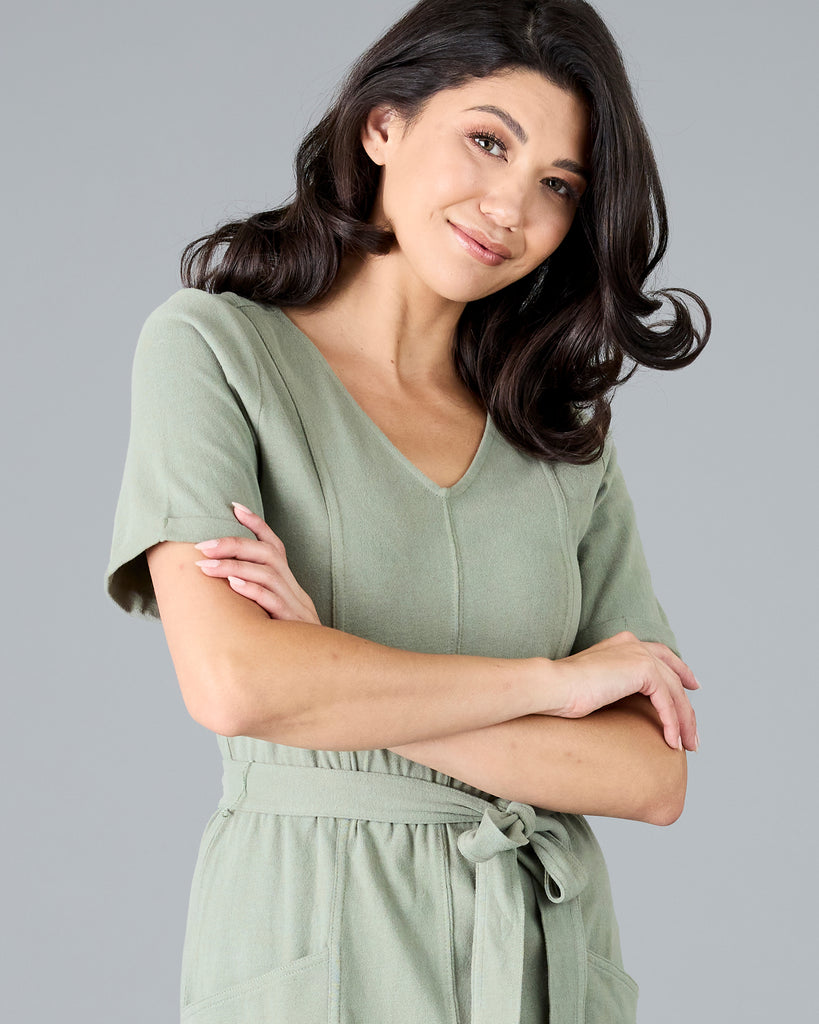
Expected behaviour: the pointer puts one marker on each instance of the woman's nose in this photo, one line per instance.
(505, 204)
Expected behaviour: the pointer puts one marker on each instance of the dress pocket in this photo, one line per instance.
(191, 954)
(611, 994)
(295, 992)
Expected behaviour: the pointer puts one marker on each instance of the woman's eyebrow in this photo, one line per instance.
(574, 167)
(513, 126)
(517, 130)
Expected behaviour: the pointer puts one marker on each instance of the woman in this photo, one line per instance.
(449, 650)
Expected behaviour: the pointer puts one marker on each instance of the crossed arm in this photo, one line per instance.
(577, 735)
(613, 762)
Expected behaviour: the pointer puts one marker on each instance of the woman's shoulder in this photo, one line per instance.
(238, 332)
(210, 314)
(582, 481)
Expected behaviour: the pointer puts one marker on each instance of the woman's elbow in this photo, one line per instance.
(668, 795)
(217, 719)
(667, 811)
(218, 716)
(217, 701)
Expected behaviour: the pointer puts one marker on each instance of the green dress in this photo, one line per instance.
(358, 886)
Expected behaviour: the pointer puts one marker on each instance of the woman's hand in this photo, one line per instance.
(621, 666)
(258, 569)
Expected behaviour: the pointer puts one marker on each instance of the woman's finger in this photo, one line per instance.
(270, 580)
(257, 525)
(253, 572)
(660, 696)
(267, 570)
(260, 527)
(268, 548)
(666, 655)
(680, 678)
(679, 722)
(244, 548)
(258, 552)
(686, 716)
(275, 606)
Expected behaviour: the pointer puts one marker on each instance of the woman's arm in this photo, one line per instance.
(613, 762)
(306, 685)
(265, 667)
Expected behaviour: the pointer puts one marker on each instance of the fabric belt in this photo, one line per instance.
(501, 827)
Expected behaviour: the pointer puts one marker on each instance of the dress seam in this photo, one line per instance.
(572, 617)
(336, 911)
(332, 520)
(450, 922)
(459, 588)
(240, 309)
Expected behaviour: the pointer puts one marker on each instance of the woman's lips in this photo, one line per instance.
(478, 245)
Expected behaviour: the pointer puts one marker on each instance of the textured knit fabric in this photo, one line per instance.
(418, 898)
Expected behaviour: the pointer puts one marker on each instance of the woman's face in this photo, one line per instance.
(483, 184)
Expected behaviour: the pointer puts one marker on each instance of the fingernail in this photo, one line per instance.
(206, 545)
(679, 743)
(209, 563)
(235, 581)
(697, 740)
(699, 684)
(241, 508)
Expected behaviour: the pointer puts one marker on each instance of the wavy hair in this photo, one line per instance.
(545, 353)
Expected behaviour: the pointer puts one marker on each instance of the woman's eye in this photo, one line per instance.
(562, 188)
(559, 186)
(489, 144)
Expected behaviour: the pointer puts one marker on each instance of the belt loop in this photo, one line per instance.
(228, 809)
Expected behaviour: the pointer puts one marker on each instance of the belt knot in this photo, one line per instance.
(500, 829)
(507, 825)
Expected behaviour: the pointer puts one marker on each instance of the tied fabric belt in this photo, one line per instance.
(501, 826)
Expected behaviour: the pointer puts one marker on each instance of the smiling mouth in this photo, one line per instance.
(482, 248)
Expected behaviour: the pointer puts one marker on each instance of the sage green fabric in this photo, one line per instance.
(333, 905)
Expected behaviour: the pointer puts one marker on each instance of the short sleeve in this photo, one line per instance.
(192, 446)
(617, 592)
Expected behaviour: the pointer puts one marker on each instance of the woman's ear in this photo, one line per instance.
(375, 135)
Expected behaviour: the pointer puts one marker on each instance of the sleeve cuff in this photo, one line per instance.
(644, 629)
(128, 581)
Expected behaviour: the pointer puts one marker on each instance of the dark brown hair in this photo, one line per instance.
(545, 353)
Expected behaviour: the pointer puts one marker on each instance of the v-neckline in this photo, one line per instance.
(463, 481)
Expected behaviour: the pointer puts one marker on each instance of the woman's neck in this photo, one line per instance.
(378, 311)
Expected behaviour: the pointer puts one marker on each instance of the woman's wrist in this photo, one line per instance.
(544, 685)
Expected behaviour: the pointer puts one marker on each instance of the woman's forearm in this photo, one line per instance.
(305, 685)
(614, 762)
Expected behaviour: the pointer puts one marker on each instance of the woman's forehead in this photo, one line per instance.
(531, 106)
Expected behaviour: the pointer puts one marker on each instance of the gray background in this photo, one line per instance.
(133, 128)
